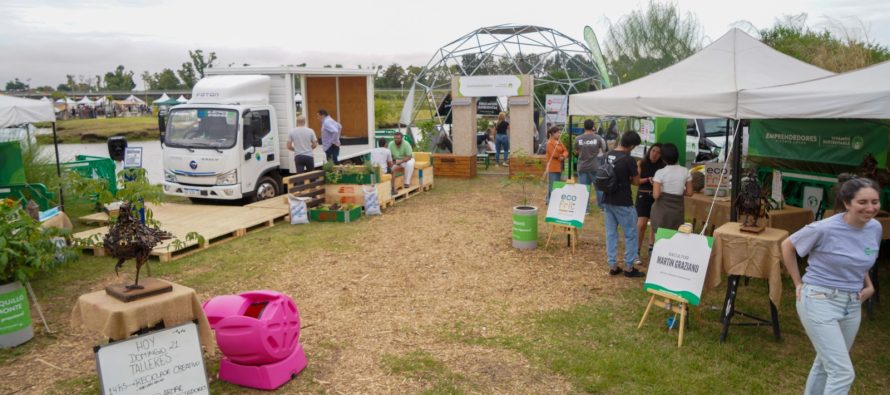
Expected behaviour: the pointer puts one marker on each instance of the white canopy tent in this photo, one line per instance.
(66, 100)
(44, 98)
(182, 99)
(17, 111)
(134, 99)
(704, 85)
(863, 93)
(86, 101)
(163, 97)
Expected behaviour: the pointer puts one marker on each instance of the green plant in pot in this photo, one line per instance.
(525, 215)
(26, 249)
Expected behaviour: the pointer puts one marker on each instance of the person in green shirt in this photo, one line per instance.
(403, 157)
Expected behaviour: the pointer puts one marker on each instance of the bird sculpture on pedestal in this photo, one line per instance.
(751, 203)
(129, 238)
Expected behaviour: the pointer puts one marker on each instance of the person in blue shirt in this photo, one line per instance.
(330, 136)
(841, 249)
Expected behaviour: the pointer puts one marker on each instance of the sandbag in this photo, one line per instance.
(299, 213)
(372, 202)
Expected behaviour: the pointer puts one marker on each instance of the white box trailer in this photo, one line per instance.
(230, 140)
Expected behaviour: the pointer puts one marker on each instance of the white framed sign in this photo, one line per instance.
(678, 264)
(133, 158)
(167, 361)
(555, 108)
(489, 85)
(812, 198)
(568, 204)
(776, 190)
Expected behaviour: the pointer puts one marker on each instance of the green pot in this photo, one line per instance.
(15, 315)
(525, 227)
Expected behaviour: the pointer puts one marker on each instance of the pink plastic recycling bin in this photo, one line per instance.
(259, 333)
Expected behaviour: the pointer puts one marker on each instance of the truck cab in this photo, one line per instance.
(223, 143)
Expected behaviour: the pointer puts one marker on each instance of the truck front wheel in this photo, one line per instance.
(266, 188)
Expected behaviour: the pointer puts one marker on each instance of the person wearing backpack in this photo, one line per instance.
(589, 147)
(616, 177)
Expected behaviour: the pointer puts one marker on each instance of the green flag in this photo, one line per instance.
(597, 55)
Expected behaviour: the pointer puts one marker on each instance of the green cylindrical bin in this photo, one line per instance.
(525, 227)
(15, 316)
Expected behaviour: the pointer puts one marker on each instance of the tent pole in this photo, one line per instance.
(58, 168)
(726, 140)
(736, 170)
(571, 137)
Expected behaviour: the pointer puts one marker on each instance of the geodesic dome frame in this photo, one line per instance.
(559, 64)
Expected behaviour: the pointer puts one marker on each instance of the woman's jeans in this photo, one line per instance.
(501, 143)
(831, 318)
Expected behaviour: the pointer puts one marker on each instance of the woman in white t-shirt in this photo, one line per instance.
(669, 185)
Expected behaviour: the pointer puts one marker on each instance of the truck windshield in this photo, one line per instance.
(202, 128)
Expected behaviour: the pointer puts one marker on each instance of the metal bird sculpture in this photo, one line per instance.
(129, 238)
(751, 203)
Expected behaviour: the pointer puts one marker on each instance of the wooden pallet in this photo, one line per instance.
(309, 185)
(448, 165)
(216, 224)
(405, 193)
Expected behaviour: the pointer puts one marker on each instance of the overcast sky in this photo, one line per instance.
(43, 40)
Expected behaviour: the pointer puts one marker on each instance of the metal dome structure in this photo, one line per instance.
(559, 64)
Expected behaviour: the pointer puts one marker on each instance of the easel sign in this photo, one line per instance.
(568, 204)
(678, 264)
(133, 158)
(167, 361)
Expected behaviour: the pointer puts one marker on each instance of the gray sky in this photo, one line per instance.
(43, 40)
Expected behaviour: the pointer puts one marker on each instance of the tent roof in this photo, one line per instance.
(134, 99)
(704, 85)
(163, 97)
(85, 100)
(182, 99)
(168, 102)
(863, 93)
(16, 111)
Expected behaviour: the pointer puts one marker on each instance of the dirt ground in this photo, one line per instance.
(434, 262)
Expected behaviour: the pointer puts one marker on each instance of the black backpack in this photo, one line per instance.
(606, 181)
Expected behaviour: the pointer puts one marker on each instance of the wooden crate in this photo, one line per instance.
(448, 165)
(426, 178)
(309, 185)
(532, 164)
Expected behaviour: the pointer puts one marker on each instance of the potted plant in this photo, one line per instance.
(335, 213)
(26, 249)
(525, 216)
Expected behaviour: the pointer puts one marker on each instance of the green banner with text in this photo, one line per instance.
(837, 141)
(14, 312)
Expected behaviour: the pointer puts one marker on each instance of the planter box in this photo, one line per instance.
(448, 165)
(534, 164)
(355, 194)
(335, 216)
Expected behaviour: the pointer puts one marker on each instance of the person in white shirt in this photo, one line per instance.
(302, 141)
(669, 185)
(382, 157)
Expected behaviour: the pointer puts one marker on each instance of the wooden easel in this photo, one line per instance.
(560, 229)
(671, 302)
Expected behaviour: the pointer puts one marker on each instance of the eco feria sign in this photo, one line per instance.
(489, 85)
(843, 142)
(568, 204)
(678, 264)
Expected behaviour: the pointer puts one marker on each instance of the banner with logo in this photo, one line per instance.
(489, 85)
(568, 204)
(556, 109)
(842, 142)
(14, 312)
(678, 264)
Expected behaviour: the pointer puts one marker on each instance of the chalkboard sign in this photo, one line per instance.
(165, 362)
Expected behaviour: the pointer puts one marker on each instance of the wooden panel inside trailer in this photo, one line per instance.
(344, 98)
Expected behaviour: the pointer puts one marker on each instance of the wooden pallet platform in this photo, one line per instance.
(309, 185)
(217, 224)
(406, 193)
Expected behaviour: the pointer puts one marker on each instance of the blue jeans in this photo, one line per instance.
(501, 143)
(626, 218)
(586, 178)
(831, 318)
(551, 178)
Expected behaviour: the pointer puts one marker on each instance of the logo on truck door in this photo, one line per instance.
(193, 165)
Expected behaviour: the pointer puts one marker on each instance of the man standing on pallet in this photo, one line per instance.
(403, 158)
(330, 136)
(302, 141)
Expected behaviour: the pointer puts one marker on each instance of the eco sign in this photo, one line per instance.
(14, 312)
(568, 204)
(678, 264)
(489, 85)
(843, 142)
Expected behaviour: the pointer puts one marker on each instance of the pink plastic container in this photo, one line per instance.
(258, 332)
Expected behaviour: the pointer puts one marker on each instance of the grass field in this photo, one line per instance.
(100, 129)
(430, 298)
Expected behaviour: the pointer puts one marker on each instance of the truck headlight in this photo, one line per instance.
(169, 176)
(227, 178)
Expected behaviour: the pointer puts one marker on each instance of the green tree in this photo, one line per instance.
(200, 63)
(165, 80)
(837, 51)
(119, 79)
(45, 88)
(651, 39)
(16, 85)
(392, 77)
(187, 75)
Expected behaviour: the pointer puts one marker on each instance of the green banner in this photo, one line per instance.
(837, 141)
(14, 312)
(525, 227)
(11, 170)
(672, 130)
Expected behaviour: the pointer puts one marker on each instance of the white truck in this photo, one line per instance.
(229, 141)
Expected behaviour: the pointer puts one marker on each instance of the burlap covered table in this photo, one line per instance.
(789, 218)
(117, 320)
(748, 254)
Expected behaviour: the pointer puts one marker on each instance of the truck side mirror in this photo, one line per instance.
(162, 127)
